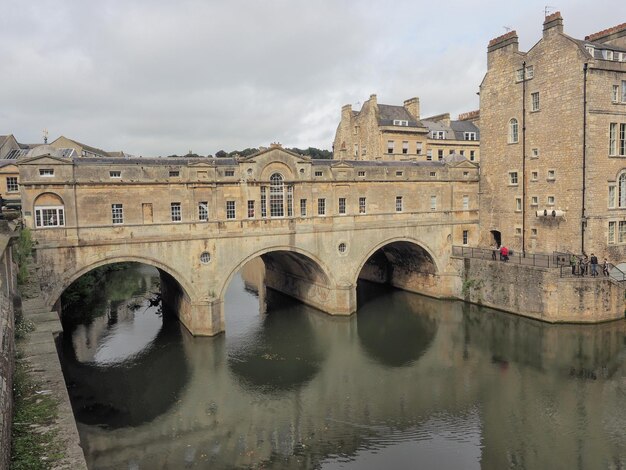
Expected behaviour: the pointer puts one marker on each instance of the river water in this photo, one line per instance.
(407, 382)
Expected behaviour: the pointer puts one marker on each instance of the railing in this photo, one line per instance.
(613, 273)
(542, 260)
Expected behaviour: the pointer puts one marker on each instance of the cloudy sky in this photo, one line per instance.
(158, 77)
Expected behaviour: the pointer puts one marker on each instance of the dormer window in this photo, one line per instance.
(608, 55)
(469, 135)
(115, 174)
(439, 134)
(400, 122)
(46, 172)
(590, 49)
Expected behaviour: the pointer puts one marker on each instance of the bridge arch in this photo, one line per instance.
(60, 287)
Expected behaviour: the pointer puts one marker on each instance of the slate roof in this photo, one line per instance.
(455, 131)
(388, 113)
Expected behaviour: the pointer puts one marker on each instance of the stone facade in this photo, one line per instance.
(547, 117)
(315, 223)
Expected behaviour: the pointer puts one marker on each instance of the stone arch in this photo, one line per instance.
(318, 265)
(283, 168)
(59, 287)
(49, 210)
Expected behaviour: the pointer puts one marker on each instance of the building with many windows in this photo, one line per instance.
(553, 142)
(449, 137)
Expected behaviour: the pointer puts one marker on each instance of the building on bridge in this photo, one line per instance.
(553, 125)
(318, 225)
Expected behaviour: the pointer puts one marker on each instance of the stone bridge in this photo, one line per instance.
(318, 225)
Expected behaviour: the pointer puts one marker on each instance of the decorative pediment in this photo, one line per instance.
(46, 160)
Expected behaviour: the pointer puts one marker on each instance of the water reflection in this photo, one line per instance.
(408, 382)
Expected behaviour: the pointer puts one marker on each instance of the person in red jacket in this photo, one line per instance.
(504, 253)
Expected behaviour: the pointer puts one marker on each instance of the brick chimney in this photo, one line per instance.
(506, 43)
(346, 112)
(553, 23)
(412, 105)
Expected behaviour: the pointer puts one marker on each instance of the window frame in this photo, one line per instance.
(231, 209)
(513, 134)
(203, 211)
(43, 222)
(341, 206)
(117, 214)
(399, 204)
(534, 101)
(321, 206)
(176, 212)
(362, 205)
(13, 185)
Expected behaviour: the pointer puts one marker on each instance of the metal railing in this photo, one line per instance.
(613, 273)
(542, 260)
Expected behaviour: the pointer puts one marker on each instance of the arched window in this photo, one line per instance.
(277, 195)
(513, 131)
(621, 187)
(49, 211)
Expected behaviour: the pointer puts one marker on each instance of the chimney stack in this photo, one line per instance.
(412, 105)
(553, 23)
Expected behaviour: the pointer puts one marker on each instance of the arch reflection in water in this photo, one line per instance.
(126, 365)
(393, 330)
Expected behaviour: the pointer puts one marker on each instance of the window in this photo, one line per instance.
(321, 206)
(398, 203)
(429, 155)
(462, 153)
(465, 237)
(623, 91)
(534, 97)
(229, 173)
(277, 190)
(175, 212)
(231, 212)
(418, 148)
(530, 72)
(550, 200)
(405, 146)
(451, 152)
(318, 173)
(621, 235)
(611, 233)
(250, 209)
(400, 122)
(534, 201)
(12, 185)
(46, 172)
(615, 94)
(342, 205)
(518, 231)
(466, 173)
(472, 155)
(342, 247)
(518, 204)
(469, 135)
(551, 175)
(174, 173)
(50, 216)
(364, 150)
(512, 177)
(465, 203)
(390, 146)
(533, 232)
(611, 197)
(608, 55)
(361, 205)
(439, 155)
(115, 174)
(302, 207)
(203, 210)
(432, 174)
(356, 150)
(439, 135)
(263, 202)
(289, 201)
(399, 173)
(117, 213)
(519, 75)
(622, 190)
(534, 176)
(617, 141)
(361, 174)
(433, 203)
(535, 153)
(513, 135)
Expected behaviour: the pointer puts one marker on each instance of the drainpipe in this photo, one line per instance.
(524, 159)
(583, 213)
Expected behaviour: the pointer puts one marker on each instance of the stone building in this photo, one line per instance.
(391, 132)
(553, 125)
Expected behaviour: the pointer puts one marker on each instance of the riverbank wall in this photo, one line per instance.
(542, 293)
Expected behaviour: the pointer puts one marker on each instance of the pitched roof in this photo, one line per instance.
(388, 113)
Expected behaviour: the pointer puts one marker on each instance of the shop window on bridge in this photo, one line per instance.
(277, 195)
(49, 211)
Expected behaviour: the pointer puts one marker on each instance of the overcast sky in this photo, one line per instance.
(159, 77)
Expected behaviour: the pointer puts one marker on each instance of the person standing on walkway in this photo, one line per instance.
(572, 262)
(594, 265)
(584, 265)
(605, 267)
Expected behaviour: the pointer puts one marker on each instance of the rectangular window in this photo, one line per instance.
(612, 193)
(439, 135)
(439, 155)
(203, 211)
(534, 176)
(400, 122)
(613, 138)
(356, 150)
(321, 206)
(519, 75)
(623, 91)
(533, 232)
(390, 146)
(432, 174)
(622, 140)
(465, 203)
(472, 155)
(534, 101)
(115, 174)
(513, 177)
(361, 174)
(518, 204)
(611, 233)
(622, 232)
(250, 209)
(398, 203)
(462, 153)
(318, 173)
(46, 172)
(263, 202)
(615, 94)
(518, 231)
(117, 213)
(534, 201)
(231, 212)
(174, 173)
(229, 173)
(418, 148)
(465, 237)
(530, 72)
(433, 203)
(12, 185)
(535, 153)
(289, 201)
(302, 207)
(49, 217)
(429, 155)
(405, 146)
(175, 212)
(361, 205)
(551, 175)
(342, 205)
(550, 200)
(399, 173)
(469, 135)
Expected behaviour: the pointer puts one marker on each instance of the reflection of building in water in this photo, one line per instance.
(511, 373)
(253, 275)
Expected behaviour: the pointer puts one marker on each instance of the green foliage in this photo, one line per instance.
(470, 284)
(23, 251)
(33, 445)
(314, 153)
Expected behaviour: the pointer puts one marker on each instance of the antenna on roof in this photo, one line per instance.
(546, 10)
(507, 28)
(45, 136)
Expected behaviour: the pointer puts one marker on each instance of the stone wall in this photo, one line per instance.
(542, 293)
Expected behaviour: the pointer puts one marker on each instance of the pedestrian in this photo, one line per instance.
(494, 249)
(584, 265)
(605, 267)
(504, 253)
(572, 262)
(594, 265)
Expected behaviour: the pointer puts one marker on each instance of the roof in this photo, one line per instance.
(85, 147)
(606, 32)
(388, 113)
(455, 131)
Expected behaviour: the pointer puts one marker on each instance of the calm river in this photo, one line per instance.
(407, 382)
